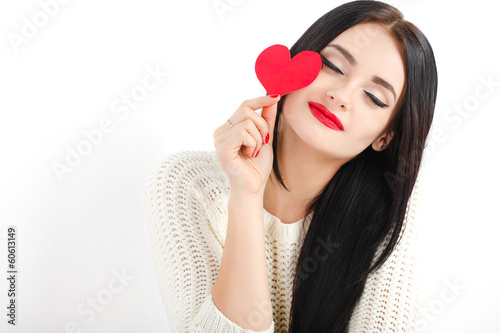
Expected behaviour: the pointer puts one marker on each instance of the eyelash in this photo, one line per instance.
(375, 100)
(330, 65)
(370, 96)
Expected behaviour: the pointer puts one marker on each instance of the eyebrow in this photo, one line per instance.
(380, 81)
(345, 53)
(376, 79)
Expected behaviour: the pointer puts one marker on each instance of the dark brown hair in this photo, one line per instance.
(364, 203)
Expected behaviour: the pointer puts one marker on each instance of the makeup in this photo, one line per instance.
(324, 115)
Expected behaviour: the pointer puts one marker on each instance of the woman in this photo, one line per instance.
(297, 223)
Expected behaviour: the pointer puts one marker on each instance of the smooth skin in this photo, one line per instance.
(302, 137)
(241, 290)
(310, 153)
(309, 156)
(248, 174)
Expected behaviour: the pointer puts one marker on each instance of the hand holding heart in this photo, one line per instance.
(279, 75)
(248, 175)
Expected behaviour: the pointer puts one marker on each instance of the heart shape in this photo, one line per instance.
(281, 75)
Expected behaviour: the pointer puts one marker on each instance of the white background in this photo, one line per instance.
(77, 231)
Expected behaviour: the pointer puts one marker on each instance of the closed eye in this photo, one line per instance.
(371, 97)
(330, 64)
(375, 100)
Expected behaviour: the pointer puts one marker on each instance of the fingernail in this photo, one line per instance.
(267, 138)
(257, 153)
(274, 95)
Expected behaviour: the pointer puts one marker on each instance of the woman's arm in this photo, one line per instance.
(186, 252)
(241, 291)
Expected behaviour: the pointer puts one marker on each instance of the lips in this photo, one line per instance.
(324, 110)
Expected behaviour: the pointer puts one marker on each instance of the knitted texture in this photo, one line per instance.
(187, 196)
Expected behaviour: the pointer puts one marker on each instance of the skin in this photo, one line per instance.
(310, 153)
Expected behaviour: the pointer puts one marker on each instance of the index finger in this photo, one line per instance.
(259, 102)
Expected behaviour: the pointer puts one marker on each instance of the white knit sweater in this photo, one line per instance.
(187, 198)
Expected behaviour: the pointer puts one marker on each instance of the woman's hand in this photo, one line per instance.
(247, 174)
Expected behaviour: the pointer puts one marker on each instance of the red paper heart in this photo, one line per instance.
(280, 75)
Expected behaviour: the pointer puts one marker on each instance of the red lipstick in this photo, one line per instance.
(324, 115)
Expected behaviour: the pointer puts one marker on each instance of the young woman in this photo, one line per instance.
(304, 217)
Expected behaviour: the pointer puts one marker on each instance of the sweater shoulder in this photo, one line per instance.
(186, 159)
(190, 180)
(192, 170)
(185, 191)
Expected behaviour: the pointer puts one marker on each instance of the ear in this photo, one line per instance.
(383, 142)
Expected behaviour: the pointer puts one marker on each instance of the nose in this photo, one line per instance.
(338, 103)
(339, 98)
(342, 104)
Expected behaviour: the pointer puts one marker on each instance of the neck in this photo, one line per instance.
(304, 171)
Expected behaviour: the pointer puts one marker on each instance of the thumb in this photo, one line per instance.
(269, 114)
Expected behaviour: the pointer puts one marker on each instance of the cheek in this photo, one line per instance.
(322, 81)
(295, 101)
(368, 127)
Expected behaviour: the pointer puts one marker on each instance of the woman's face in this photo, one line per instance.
(370, 63)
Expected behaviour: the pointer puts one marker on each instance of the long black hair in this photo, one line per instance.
(362, 208)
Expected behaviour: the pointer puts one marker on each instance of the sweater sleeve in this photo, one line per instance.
(392, 298)
(186, 253)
